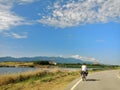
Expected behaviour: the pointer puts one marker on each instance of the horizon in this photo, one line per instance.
(81, 59)
(81, 29)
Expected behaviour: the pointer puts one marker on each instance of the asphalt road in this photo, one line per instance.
(105, 80)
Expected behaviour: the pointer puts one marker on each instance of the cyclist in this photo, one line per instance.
(84, 70)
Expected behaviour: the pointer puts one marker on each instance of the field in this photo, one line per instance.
(44, 65)
(16, 64)
(38, 80)
(54, 79)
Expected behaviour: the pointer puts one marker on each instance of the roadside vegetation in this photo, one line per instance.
(48, 64)
(53, 79)
(38, 80)
(92, 66)
(16, 64)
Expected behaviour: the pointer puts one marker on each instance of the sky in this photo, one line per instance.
(83, 29)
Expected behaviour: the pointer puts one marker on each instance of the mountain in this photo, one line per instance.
(42, 58)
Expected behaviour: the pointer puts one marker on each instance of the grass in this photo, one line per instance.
(24, 64)
(67, 65)
(38, 80)
(13, 78)
(17, 64)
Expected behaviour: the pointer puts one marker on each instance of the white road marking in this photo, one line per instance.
(76, 84)
(118, 76)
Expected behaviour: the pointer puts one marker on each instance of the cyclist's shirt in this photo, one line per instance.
(84, 68)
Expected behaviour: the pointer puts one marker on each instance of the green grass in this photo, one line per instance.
(65, 65)
(55, 80)
(39, 80)
(14, 78)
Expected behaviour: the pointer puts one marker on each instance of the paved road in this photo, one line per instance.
(105, 80)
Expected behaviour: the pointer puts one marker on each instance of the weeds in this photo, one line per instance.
(13, 78)
(43, 76)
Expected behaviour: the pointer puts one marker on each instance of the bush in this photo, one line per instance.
(41, 62)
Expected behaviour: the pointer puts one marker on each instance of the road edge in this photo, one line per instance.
(72, 88)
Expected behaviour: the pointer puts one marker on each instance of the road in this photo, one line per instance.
(105, 80)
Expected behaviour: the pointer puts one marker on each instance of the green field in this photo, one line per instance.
(38, 80)
(45, 64)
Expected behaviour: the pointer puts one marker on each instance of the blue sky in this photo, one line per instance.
(82, 29)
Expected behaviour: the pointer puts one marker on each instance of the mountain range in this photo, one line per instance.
(44, 58)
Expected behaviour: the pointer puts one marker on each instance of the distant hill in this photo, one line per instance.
(42, 58)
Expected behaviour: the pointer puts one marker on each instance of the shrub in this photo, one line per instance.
(41, 62)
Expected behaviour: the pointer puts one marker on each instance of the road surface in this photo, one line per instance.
(105, 80)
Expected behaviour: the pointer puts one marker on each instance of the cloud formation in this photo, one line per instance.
(16, 1)
(9, 19)
(25, 1)
(74, 13)
(16, 35)
(85, 58)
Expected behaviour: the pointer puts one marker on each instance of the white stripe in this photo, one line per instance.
(118, 76)
(76, 84)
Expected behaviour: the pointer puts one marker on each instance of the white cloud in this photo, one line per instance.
(84, 58)
(16, 35)
(25, 1)
(16, 1)
(80, 12)
(9, 19)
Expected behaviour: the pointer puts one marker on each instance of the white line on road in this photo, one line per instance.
(118, 76)
(76, 84)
